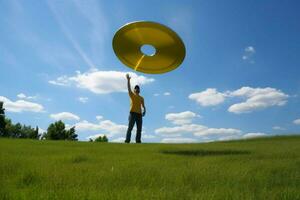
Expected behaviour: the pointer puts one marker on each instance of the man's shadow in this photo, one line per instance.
(202, 152)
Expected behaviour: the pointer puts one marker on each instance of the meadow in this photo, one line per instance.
(262, 168)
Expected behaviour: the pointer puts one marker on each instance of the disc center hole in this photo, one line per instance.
(148, 50)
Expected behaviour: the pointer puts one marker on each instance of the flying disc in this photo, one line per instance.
(169, 48)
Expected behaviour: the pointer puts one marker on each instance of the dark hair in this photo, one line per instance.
(136, 87)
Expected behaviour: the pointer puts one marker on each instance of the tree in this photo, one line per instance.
(20, 131)
(16, 131)
(57, 131)
(70, 134)
(8, 129)
(28, 132)
(101, 139)
(104, 138)
(2, 120)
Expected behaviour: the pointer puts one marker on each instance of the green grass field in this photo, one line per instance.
(265, 168)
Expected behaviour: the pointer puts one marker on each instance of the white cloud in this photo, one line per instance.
(87, 126)
(41, 131)
(178, 130)
(108, 127)
(184, 119)
(146, 136)
(113, 128)
(278, 128)
(245, 136)
(65, 116)
(209, 97)
(207, 134)
(249, 53)
(101, 82)
(164, 94)
(178, 140)
(250, 49)
(119, 140)
(197, 130)
(83, 99)
(229, 137)
(99, 117)
(257, 99)
(21, 105)
(61, 81)
(181, 118)
(254, 135)
(296, 121)
(23, 96)
(218, 132)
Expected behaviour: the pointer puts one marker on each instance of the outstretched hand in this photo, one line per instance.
(128, 77)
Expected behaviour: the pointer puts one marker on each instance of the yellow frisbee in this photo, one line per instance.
(169, 48)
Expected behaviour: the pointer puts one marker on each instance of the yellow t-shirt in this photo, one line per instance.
(136, 102)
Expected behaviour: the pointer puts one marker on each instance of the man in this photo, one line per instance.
(136, 114)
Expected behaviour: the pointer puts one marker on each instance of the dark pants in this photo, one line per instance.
(138, 119)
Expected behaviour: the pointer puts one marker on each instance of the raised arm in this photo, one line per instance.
(128, 84)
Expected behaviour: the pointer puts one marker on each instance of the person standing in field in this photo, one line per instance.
(136, 115)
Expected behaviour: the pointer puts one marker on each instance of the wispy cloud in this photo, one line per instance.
(297, 121)
(58, 16)
(93, 12)
(180, 18)
(278, 128)
(164, 94)
(83, 99)
(21, 24)
(249, 54)
(23, 96)
(7, 57)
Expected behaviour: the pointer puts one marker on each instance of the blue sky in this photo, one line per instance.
(240, 77)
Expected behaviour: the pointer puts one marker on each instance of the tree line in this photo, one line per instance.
(55, 131)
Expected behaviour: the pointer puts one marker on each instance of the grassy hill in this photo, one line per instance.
(265, 168)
